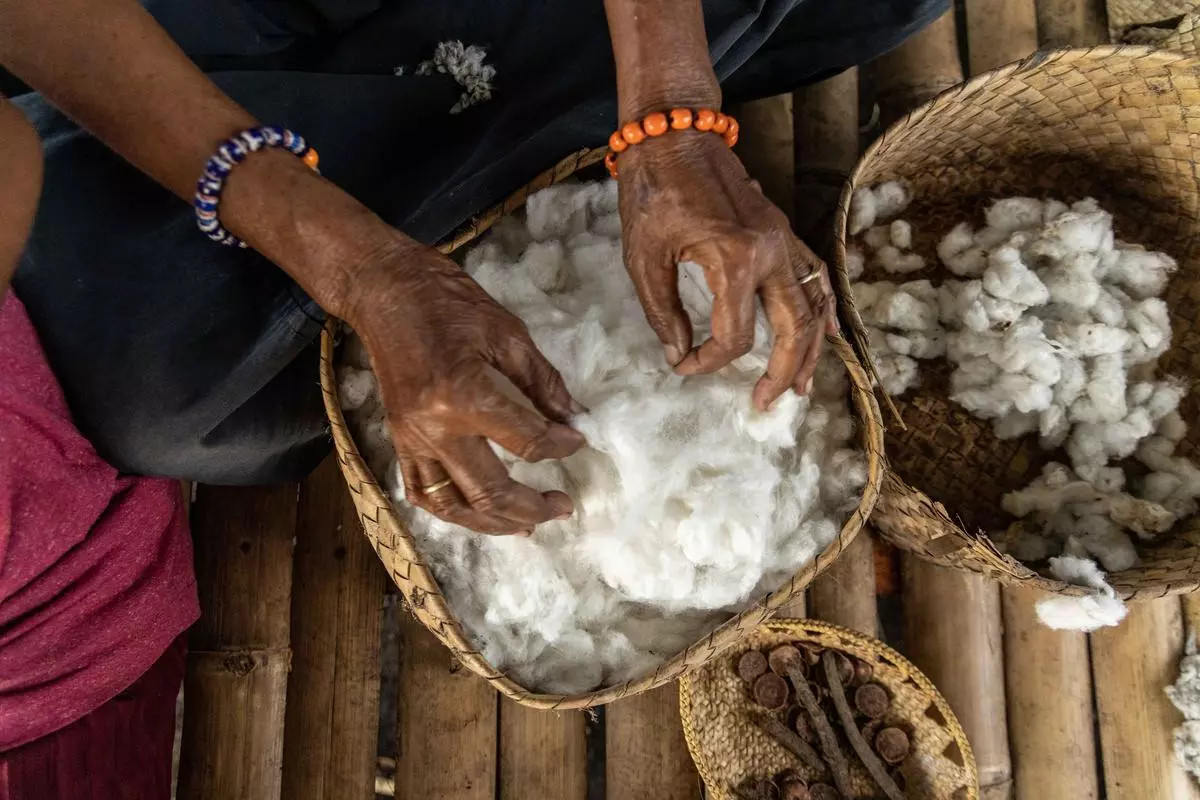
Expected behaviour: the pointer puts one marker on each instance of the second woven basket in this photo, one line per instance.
(1121, 125)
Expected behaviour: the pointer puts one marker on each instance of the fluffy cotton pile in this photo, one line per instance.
(1185, 694)
(689, 503)
(1054, 329)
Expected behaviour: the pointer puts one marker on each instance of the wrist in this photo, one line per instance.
(694, 91)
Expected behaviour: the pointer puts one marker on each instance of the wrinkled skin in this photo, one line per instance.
(435, 336)
(687, 197)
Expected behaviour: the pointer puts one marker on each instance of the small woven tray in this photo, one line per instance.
(728, 747)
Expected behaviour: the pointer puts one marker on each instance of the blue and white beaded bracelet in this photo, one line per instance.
(232, 152)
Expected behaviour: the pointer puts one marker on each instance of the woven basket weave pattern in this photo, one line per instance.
(400, 555)
(728, 748)
(1126, 14)
(1117, 124)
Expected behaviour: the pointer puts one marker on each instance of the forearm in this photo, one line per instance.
(109, 65)
(21, 177)
(661, 52)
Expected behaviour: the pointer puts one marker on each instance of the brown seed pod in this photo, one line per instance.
(798, 721)
(823, 791)
(783, 658)
(771, 691)
(750, 665)
(872, 701)
(863, 672)
(812, 652)
(845, 667)
(794, 789)
(892, 745)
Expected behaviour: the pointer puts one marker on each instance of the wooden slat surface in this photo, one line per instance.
(953, 634)
(646, 755)
(845, 593)
(1132, 664)
(1071, 23)
(998, 32)
(1051, 722)
(766, 150)
(542, 753)
(446, 723)
(333, 693)
(236, 681)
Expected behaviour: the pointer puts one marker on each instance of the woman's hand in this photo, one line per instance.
(437, 342)
(686, 197)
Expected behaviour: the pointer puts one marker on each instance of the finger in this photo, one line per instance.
(787, 310)
(447, 503)
(733, 308)
(812, 356)
(656, 279)
(488, 489)
(517, 428)
(522, 363)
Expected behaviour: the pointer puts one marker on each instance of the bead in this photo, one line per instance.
(311, 159)
(681, 119)
(633, 133)
(734, 128)
(610, 162)
(721, 124)
(655, 124)
(616, 143)
(705, 118)
(731, 138)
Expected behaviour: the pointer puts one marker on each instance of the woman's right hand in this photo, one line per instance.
(436, 340)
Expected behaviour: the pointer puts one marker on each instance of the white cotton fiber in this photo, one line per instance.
(689, 503)
(1101, 608)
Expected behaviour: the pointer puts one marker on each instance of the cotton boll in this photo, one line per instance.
(855, 263)
(898, 263)
(1171, 426)
(863, 210)
(1000, 312)
(1007, 278)
(926, 345)
(901, 234)
(1047, 499)
(1164, 402)
(1080, 230)
(1025, 393)
(545, 264)
(558, 212)
(1086, 446)
(1106, 388)
(897, 373)
(1109, 307)
(1073, 282)
(1095, 339)
(355, 386)
(1052, 210)
(1053, 427)
(1109, 480)
(877, 236)
(1143, 517)
(1105, 542)
(902, 311)
(1141, 273)
(891, 199)
(988, 237)
(1014, 425)
(973, 373)
(1015, 214)
(1072, 381)
(970, 263)
(867, 295)
(1150, 321)
(1158, 486)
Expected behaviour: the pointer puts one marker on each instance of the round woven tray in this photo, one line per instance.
(1117, 124)
(402, 558)
(728, 747)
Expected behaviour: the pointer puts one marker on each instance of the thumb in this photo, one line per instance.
(657, 281)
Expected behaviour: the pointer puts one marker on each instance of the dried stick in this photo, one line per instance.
(834, 757)
(865, 754)
(789, 740)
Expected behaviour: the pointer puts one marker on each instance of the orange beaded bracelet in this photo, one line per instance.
(658, 123)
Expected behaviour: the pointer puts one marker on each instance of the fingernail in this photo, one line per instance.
(577, 407)
(674, 356)
(808, 386)
(563, 516)
(525, 534)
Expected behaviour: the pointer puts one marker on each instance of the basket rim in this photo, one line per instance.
(355, 470)
(1002, 566)
(801, 629)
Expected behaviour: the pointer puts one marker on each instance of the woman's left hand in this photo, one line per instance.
(686, 197)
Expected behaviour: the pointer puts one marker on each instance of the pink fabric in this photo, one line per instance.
(96, 575)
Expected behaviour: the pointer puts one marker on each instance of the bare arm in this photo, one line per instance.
(21, 177)
(110, 66)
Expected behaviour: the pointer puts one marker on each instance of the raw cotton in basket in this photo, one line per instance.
(689, 503)
(1055, 332)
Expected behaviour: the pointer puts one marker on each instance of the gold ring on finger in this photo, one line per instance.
(812, 275)
(437, 487)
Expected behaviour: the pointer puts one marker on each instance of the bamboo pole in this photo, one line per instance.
(446, 723)
(542, 753)
(845, 593)
(645, 753)
(1071, 23)
(766, 149)
(1051, 722)
(236, 682)
(999, 32)
(1132, 664)
(924, 66)
(953, 634)
(332, 722)
(826, 133)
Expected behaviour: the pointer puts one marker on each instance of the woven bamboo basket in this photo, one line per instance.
(1126, 14)
(1118, 124)
(402, 558)
(728, 747)
(1183, 36)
